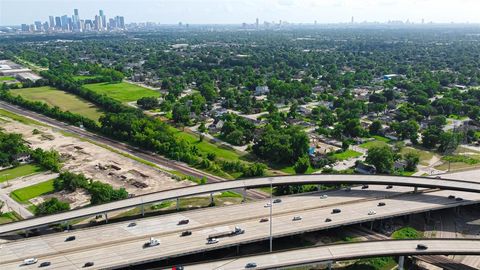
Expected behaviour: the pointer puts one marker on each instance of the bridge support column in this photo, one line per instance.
(319, 187)
(143, 210)
(401, 260)
(415, 190)
(26, 233)
(329, 266)
(238, 249)
(244, 195)
(371, 225)
(178, 204)
(106, 217)
(212, 203)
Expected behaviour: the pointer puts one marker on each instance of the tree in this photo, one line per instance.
(103, 193)
(375, 128)
(382, 158)
(70, 181)
(148, 103)
(181, 114)
(302, 165)
(449, 142)
(431, 137)
(51, 206)
(411, 159)
(49, 160)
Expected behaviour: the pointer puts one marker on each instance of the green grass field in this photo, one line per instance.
(19, 171)
(347, 155)
(6, 78)
(8, 217)
(372, 144)
(65, 101)
(124, 92)
(22, 195)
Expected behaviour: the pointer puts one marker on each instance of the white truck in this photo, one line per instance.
(152, 242)
(234, 232)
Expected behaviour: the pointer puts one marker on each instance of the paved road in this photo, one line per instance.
(241, 184)
(109, 249)
(346, 251)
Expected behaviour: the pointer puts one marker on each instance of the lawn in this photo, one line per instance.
(372, 144)
(22, 195)
(207, 147)
(347, 155)
(124, 92)
(425, 156)
(6, 78)
(65, 101)
(407, 233)
(19, 171)
(19, 118)
(8, 217)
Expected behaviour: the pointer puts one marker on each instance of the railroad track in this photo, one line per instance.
(140, 153)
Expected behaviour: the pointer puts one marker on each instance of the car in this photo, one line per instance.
(45, 264)
(389, 187)
(438, 177)
(267, 205)
(372, 212)
(263, 220)
(324, 196)
(458, 199)
(30, 261)
(422, 247)
(296, 218)
(212, 241)
(381, 204)
(365, 186)
(451, 197)
(177, 267)
(151, 243)
(251, 265)
(132, 224)
(186, 233)
(328, 220)
(183, 222)
(70, 238)
(277, 201)
(348, 189)
(336, 211)
(88, 264)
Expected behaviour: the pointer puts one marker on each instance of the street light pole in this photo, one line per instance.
(271, 209)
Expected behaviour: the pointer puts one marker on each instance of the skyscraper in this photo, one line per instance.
(257, 22)
(58, 23)
(52, 22)
(65, 22)
(103, 19)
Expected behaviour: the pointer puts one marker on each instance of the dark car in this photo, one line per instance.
(251, 265)
(45, 264)
(88, 264)
(422, 247)
(263, 220)
(389, 187)
(364, 186)
(177, 267)
(277, 201)
(132, 224)
(458, 199)
(186, 233)
(70, 238)
(451, 197)
(183, 222)
(336, 211)
(348, 189)
(328, 220)
(381, 204)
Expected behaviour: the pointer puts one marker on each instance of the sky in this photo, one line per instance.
(15, 12)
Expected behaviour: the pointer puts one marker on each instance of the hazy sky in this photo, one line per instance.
(14, 12)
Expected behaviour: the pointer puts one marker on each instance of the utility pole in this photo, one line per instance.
(271, 209)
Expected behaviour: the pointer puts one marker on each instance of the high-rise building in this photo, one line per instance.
(353, 20)
(25, 28)
(65, 22)
(76, 20)
(103, 19)
(75, 12)
(257, 22)
(58, 23)
(38, 26)
(51, 22)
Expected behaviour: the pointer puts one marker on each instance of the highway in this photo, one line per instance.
(243, 184)
(146, 155)
(347, 251)
(119, 248)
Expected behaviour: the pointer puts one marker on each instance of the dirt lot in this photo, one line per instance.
(94, 162)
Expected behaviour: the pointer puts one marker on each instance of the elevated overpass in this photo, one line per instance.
(331, 253)
(415, 182)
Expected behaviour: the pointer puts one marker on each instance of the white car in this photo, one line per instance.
(30, 261)
(212, 241)
(372, 212)
(267, 205)
(323, 196)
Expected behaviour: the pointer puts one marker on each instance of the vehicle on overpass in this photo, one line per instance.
(30, 261)
(236, 231)
(152, 242)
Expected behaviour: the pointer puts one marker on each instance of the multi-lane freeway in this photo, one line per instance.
(243, 184)
(119, 245)
(347, 251)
